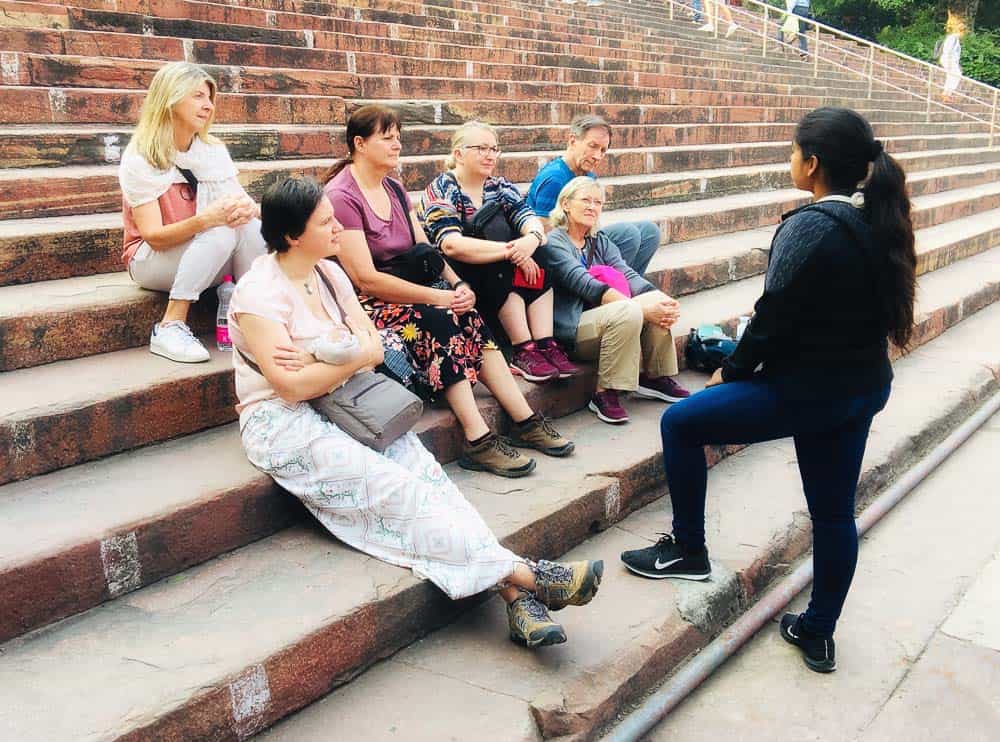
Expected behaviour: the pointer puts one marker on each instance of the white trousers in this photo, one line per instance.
(200, 263)
(398, 506)
(953, 73)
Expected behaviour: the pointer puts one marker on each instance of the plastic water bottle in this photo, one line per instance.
(225, 292)
(742, 326)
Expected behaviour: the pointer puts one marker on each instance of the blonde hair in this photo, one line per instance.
(154, 134)
(954, 24)
(557, 217)
(461, 134)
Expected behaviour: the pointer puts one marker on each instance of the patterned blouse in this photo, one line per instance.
(440, 204)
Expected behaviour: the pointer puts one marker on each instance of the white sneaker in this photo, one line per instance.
(707, 27)
(174, 340)
(732, 29)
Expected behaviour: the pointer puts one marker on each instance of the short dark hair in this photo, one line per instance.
(285, 209)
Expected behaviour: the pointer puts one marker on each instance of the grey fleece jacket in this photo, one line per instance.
(575, 289)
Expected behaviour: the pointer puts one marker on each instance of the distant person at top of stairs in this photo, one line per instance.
(398, 506)
(714, 9)
(606, 311)
(801, 9)
(813, 364)
(951, 56)
(188, 221)
(409, 289)
(589, 140)
(489, 234)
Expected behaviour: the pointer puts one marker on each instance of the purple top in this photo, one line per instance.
(386, 239)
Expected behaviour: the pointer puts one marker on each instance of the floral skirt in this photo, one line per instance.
(445, 348)
(398, 506)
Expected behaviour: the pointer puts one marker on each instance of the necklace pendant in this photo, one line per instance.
(308, 288)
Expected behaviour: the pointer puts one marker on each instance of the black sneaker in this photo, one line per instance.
(819, 653)
(666, 558)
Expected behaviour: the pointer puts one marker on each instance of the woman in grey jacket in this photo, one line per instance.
(620, 329)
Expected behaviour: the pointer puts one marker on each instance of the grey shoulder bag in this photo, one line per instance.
(370, 407)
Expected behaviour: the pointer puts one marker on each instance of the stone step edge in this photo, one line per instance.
(103, 583)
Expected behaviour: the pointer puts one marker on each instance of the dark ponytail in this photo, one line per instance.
(364, 122)
(844, 144)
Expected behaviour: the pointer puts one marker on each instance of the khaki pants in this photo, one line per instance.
(617, 336)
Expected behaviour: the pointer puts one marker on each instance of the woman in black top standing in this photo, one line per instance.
(813, 363)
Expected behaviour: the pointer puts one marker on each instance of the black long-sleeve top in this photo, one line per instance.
(819, 328)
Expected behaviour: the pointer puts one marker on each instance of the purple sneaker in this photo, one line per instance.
(608, 407)
(557, 357)
(663, 388)
(532, 364)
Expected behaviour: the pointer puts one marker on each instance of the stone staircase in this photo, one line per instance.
(155, 586)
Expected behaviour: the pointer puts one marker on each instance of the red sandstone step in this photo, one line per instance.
(55, 247)
(637, 177)
(310, 598)
(69, 144)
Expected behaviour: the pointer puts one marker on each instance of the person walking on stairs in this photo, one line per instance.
(398, 506)
(606, 311)
(714, 9)
(813, 364)
(409, 289)
(589, 140)
(796, 9)
(951, 57)
(490, 236)
(188, 221)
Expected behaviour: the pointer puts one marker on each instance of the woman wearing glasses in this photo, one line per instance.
(188, 221)
(607, 311)
(407, 288)
(490, 236)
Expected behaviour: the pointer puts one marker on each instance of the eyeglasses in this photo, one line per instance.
(484, 149)
(591, 202)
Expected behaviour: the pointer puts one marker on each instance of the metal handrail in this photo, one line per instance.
(868, 71)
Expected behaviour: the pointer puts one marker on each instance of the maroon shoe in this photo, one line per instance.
(663, 388)
(557, 357)
(608, 407)
(532, 364)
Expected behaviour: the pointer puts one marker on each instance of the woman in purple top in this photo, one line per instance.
(406, 286)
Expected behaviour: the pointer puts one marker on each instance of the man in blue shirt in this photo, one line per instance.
(589, 139)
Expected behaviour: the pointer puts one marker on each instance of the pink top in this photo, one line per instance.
(267, 292)
(386, 239)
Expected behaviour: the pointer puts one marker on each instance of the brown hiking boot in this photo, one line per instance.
(537, 432)
(530, 624)
(496, 456)
(559, 584)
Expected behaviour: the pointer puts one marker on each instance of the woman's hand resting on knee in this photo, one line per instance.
(663, 313)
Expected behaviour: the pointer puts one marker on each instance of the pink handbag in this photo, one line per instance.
(612, 277)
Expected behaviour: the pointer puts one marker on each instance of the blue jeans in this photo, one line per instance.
(696, 6)
(801, 11)
(636, 241)
(830, 436)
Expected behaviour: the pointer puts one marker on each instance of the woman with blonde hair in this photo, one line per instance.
(188, 221)
(490, 236)
(607, 311)
(951, 56)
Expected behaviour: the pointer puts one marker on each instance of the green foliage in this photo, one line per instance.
(980, 50)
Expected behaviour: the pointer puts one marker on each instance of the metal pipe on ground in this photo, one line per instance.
(699, 667)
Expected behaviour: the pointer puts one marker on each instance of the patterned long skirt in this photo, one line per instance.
(446, 348)
(398, 506)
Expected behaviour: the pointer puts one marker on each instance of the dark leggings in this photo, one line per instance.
(830, 436)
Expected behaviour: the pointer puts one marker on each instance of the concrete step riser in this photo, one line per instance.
(32, 197)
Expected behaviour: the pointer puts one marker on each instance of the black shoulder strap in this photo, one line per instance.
(398, 190)
(189, 177)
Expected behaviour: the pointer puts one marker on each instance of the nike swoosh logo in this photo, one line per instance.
(664, 565)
